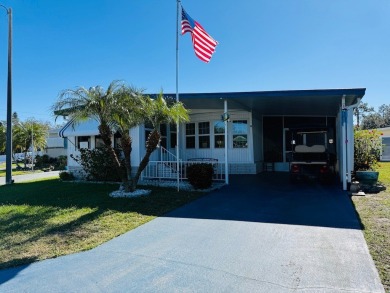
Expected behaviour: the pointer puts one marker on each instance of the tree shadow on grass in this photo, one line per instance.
(58, 194)
(31, 206)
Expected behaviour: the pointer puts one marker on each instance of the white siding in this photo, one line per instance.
(235, 155)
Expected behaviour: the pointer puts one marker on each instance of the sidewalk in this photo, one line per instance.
(32, 176)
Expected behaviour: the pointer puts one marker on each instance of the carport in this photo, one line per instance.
(334, 106)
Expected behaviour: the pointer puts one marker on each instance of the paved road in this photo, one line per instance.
(257, 235)
(32, 176)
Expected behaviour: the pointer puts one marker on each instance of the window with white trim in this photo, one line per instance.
(190, 135)
(219, 134)
(240, 133)
(83, 142)
(204, 135)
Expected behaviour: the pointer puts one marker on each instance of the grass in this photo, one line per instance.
(49, 218)
(374, 213)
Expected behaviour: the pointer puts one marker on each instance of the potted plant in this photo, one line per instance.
(367, 150)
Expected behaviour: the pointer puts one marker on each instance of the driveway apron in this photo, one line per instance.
(259, 234)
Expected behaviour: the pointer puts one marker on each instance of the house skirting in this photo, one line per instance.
(243, 168)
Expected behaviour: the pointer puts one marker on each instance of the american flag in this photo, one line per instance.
(204, 44)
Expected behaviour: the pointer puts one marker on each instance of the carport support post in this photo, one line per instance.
(344, 142)
(225, 105)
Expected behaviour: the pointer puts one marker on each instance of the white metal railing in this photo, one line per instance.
(166, 155)
(167, 170)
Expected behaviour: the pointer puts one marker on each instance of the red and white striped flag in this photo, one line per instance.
(204, 44)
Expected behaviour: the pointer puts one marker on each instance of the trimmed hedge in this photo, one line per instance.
(66, 176)
(200, 176)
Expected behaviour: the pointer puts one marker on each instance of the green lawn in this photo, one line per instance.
(374, 213)
(49, 218)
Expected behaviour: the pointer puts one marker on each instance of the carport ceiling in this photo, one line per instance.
(296, 102)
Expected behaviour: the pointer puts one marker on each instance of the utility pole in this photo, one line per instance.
(8, 175)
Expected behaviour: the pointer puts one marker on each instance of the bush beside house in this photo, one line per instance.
(200, 176)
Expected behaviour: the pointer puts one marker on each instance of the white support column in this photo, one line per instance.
(350, 138)
(226, 142)
(344, 143)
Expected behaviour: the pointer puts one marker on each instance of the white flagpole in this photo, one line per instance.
(177, 95)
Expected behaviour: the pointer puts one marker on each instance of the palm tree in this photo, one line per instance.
(30, 134)
(3, 131)
(118, 109)
(158, 111)
(126, 115)
(136, 109)
(93, 103)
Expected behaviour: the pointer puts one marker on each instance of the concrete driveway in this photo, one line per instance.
(259, 234)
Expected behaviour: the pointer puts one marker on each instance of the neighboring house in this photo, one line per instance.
(385, 156)
(55, 145)
(246, 130)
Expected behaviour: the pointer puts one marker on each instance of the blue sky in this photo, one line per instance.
(263, 45)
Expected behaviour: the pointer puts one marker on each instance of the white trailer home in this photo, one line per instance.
(240, 132)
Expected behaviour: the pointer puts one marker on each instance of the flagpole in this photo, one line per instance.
(177, 95)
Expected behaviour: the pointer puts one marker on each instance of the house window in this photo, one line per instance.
(163, 133)
(190, 135)
(83, 142)
(117, 140)
(240, 134)
(204, 135)
(99, 141)
(173, 135)
(219, 134)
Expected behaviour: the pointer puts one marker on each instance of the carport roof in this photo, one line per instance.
(288, 102)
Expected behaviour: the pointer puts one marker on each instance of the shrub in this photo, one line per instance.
(61, 163)
(97, 164)
(45, 162)
(66, 176)
(42, 161)
(367, 149)
(200, 176)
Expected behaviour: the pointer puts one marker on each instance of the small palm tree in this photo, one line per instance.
(121, 108)
(158, 111)
(128, 114)
(93, 103)
(3, 131)
(30, 134)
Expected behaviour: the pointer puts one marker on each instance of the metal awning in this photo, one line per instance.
(291, 102)
(82, 129)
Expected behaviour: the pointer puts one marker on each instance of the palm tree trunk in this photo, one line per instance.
(105, 133)
(126, 147)
(151, 145)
